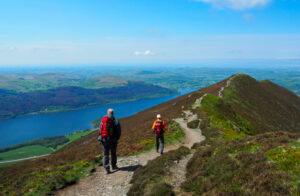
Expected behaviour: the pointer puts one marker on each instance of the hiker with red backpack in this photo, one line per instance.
(109, 134)
(159, 127)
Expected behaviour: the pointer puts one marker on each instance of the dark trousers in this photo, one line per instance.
(109, 146)
(162, 141)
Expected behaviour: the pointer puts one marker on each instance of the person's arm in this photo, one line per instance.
(118, 129)
(153, 126)
(100, 127)
(165, 126)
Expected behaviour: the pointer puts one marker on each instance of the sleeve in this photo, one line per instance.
(100, 127)
(118, 129)
(153, 126)
(165, 126)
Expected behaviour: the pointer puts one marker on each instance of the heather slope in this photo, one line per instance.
(252, 141)
(80, 157)
(267, 106)
(242, 140)
(244, 153)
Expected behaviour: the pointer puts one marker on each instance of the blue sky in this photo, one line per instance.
(147, 31)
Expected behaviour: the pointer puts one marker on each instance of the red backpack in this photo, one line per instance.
(106, 127)
(159, 127)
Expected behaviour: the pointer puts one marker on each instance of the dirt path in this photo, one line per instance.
(117, 183)
(28, 158)
(221, 92)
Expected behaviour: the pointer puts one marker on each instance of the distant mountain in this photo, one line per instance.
(26, 83)
(147, 72)
(13, 103)
(252, 145)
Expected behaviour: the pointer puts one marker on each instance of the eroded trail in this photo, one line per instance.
(117, 183)
(221, 91)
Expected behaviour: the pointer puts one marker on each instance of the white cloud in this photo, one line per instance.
(143, 53)
(237, 4)
(182, 49)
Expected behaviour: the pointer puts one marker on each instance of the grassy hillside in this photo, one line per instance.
(236, 138)
(24, 152)
(267, 106)
(13, 104)
(252, 144)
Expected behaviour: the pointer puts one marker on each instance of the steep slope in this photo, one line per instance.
(267, 106)
(65, 166)
(219, 118)
(244, 153)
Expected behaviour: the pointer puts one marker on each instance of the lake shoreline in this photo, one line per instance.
(85, 107)
(64, 123)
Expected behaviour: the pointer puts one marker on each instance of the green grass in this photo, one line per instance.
(174, 135)
(24, 152)
(236, 159)
(221, 115)
(49, 142)
(43, 182)
(241, 168)
(74, 136)
(288, 160)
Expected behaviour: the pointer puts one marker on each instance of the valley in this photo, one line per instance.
(205, 96)
(54, 137)
(241, 137)
(13, 103)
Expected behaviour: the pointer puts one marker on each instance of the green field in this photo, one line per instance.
(74, 137)
(34, 82)
(38, 147)
(25, 152)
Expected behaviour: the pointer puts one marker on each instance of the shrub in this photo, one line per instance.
(162, 189)
(242, 167)
(154, 172)
(193, 124)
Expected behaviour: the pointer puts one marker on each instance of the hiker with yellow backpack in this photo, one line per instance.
(159, 127)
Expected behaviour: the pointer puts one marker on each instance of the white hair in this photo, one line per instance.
(110, 111)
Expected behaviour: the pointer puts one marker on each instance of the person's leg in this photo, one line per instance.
(156, 142)
(162, 140)
(114, 154)
(105, 148)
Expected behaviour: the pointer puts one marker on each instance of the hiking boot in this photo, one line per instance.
(161, 153)
(114, 167)
(108, 171)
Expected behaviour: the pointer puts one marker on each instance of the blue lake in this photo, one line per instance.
(26, 128)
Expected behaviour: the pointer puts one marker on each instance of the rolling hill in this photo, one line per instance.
(14, 103)
(46, 81)
(251, 146)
